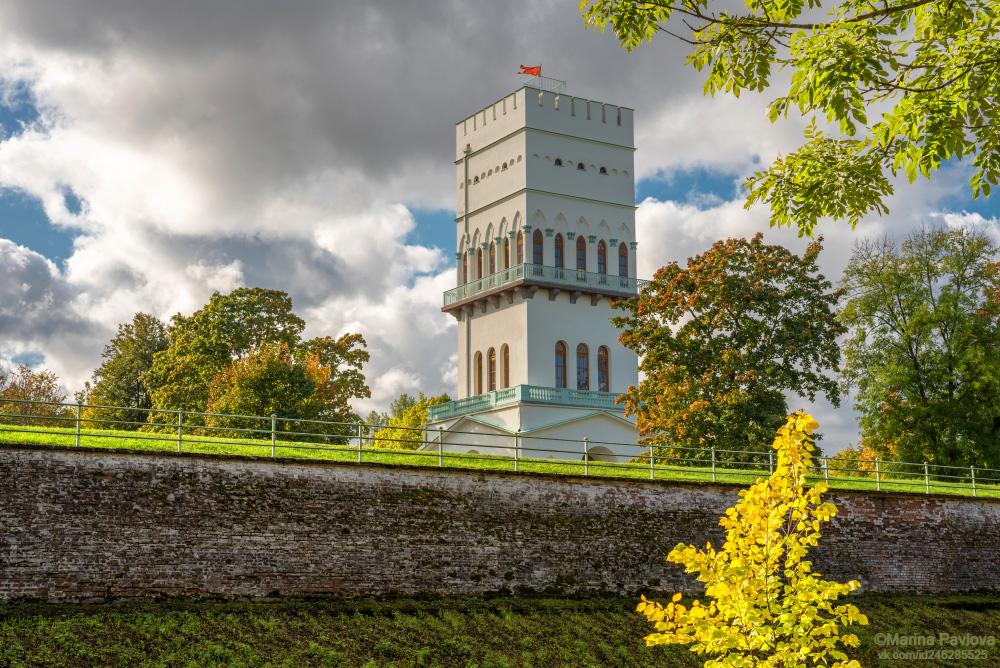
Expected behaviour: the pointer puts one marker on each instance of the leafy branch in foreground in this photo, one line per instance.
(766, 607)
(931, 65)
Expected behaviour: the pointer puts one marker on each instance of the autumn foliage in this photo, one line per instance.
(764, 606)
(723, 338)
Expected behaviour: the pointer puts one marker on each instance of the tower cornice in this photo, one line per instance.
(522, 191)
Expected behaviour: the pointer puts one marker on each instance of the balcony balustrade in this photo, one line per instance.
(571, 279)
(525, 393)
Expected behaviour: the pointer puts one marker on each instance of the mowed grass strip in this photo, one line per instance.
(743, 474)
(462, 633)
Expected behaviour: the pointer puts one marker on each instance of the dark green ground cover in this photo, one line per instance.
(465, 633)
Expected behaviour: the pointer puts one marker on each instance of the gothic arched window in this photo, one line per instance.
(622, 259)
(602, 258)
(520, 247)
(559, 251)
(479, 373)
(506, 253)
(506, 365)
(581, 253)
(603, 370)
(536, 254)
(582, 367)
(493, 258)
(560, 364)
(491, 369)
(479, 263)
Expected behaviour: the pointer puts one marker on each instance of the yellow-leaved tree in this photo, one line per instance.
(765, 606)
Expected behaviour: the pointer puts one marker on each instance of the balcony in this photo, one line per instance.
(538, 275)
(534, 394)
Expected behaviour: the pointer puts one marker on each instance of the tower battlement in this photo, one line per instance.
(545, 110)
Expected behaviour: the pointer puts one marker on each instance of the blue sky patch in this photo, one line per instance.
(435, 227)
(700, 187)
(23, 221)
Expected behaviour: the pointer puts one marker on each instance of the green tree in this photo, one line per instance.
(923, 70)
(20, 388)
(344, 357)
(118, 381)
(764, 606)
(923, 352)
(203, 345)
(268, 380)
(403, 425)
(723, 338)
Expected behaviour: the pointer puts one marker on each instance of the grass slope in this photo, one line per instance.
(732, 474)
(464, 633)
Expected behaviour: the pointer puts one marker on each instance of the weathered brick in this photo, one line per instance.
(79, 524)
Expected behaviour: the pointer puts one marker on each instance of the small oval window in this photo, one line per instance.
(580, 166)
(603, 170)
(558, 162)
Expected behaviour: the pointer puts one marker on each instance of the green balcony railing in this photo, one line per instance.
(528, 393)
(528, 273)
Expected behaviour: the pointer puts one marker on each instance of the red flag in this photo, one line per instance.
(535, 71)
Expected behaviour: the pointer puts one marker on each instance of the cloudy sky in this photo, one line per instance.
(152, 152)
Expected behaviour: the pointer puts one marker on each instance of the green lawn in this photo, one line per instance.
(464, 633)
(733, 474)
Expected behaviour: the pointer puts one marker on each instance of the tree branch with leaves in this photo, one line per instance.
(931, 65)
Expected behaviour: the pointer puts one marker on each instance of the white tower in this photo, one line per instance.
(546, 240)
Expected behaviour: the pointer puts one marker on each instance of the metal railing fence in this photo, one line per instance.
(195, 431)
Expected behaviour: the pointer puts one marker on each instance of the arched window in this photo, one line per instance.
(558, 162)
(475, 179)
(506, 365)
(506, 253)
(603, 370)
(559, 251)
(536, 247)
(560, 364)
(479, 263)
(491, 369)
(504, 166)
(581, 253)
(622, 259)
(520, 247)
(580, 167)
(479, 373)
(603, 170)
(493, 258)
(465, 268)
(582, 367)
(602, 258)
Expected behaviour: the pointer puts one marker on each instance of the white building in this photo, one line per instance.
(546, 240)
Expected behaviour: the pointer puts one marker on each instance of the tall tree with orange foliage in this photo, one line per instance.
(723, 338)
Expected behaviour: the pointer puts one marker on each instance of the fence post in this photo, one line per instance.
(770, 462)
(517, 448)
(878, 481)
(713, 463)
(652, 468)
(180, 428)
(972, 469)
(440, 446)
(272, 433)
(826, 470)
(586, 456)
(360, 427)
(79, 411)
(927, 480)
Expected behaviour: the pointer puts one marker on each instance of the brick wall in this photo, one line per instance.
(78, 524)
